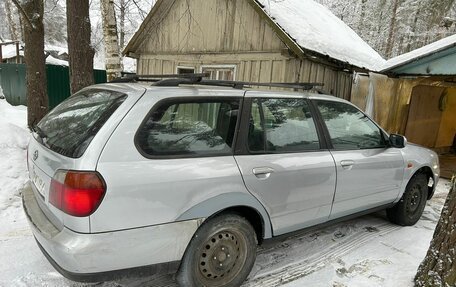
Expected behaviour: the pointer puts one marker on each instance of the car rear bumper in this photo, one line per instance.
(91, 257)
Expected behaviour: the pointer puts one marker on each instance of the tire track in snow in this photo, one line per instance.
(330, 245)
(319, 260)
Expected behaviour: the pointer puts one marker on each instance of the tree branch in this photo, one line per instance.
(142, 13)
(24, 14)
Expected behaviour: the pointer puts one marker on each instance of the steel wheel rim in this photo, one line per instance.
(222, 257)
(414, 200)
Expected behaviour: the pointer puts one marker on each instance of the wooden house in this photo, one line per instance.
(252, 40)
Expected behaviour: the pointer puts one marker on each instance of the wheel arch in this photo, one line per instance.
(252, 215)
(426, 170)
(239, 203)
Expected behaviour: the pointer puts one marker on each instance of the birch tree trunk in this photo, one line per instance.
(80, 49)
(35, 72)
(439, 265)
(11, 21)
(112, 50)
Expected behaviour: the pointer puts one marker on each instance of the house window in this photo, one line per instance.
(225, 72)
(185, 70)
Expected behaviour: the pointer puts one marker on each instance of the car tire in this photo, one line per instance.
(409, 209)
(221, 253)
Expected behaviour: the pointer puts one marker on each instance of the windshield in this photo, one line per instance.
(70, 127)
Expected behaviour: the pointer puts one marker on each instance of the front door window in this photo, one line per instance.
(349, 128)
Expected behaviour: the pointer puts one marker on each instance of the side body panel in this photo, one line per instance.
(223, 201)
(374, 179)
(299, 189)
(299, 192)
(366, 178)
(419, 157)
(43, 162)
(143, 192)
(89, 254)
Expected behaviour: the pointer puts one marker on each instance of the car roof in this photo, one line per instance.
(141, 87)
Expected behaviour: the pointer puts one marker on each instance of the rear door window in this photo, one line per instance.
(70, 127)
(282, 126)
(189, 128)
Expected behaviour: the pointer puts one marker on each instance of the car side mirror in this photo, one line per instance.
(397, 141)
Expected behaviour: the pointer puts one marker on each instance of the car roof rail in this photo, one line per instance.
(175, 80)
(157, 78)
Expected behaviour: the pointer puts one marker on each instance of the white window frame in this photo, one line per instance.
(186, 68)
(234, 67)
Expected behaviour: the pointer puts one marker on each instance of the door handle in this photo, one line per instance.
(347, 164)
(262, 172)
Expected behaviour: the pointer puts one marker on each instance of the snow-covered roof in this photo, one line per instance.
(9, 50)
(54, 61)
(420, 53)
(59, 49)
(309, 26)
(313, 27)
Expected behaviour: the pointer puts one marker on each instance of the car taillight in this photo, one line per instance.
(77, 193)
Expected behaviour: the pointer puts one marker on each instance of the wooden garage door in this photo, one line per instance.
(424, 116)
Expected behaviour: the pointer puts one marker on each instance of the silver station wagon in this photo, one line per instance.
(191, 175)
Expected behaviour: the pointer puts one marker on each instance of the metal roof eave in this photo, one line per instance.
(430, 56)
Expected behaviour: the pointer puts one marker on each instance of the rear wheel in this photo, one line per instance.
(221, 253)
(409, 209)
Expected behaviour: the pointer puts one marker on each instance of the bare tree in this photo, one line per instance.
(439, 265)
(362, 18)
(37, 100)
(14, 32)
(394, 27)
(80, 49)
(130, 11)
(112, 50)
(392, 30)
(122, 9)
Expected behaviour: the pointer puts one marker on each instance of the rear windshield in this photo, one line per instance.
(70, 127)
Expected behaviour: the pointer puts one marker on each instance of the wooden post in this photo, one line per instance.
(18, 60)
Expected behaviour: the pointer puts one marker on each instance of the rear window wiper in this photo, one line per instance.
(39, 132)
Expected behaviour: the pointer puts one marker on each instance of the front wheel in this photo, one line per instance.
(221, 253)
(409, 209)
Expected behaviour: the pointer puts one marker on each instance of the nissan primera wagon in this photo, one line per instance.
(126, 177)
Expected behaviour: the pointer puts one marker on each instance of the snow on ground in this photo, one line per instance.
(366, 251)
(13, 142)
